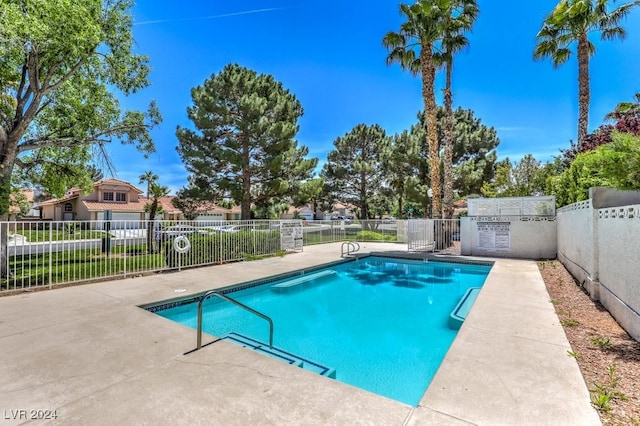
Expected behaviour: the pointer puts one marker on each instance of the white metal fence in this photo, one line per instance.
(434, 235)
(47, 253)
(331, 231)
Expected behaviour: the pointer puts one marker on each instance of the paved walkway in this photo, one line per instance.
(89, 354)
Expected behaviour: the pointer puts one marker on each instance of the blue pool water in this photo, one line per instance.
(381, 323)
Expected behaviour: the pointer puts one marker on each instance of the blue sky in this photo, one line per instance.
(330, 55)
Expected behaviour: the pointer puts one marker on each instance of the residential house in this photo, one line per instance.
(345, 210)
(125, 202)
(211, 212)
(169, 211)
(14, 209)
(304, 212)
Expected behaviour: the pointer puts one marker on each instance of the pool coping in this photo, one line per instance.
(91, 354)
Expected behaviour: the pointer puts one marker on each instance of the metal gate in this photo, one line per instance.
(420, 234)
(433, 235)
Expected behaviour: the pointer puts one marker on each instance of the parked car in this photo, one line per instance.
(224, 228)
(185, 230)
(343, 218)
(229, 229)
(389, 219)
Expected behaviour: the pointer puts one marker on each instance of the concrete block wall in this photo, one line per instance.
(598, 243)
(619, 265)
(577, 243)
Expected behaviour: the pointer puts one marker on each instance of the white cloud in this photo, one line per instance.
(201, 18)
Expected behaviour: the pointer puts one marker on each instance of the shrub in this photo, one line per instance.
(374, 236)
(223, 247)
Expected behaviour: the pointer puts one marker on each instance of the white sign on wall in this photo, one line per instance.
(291, 235)
(494, 236)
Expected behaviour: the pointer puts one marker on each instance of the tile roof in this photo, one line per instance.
(131, 206)
(167, 204)
(112, 181)
(29, 194)
(57, 200)
(209, 207)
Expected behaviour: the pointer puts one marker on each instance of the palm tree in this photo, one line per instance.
(572, 21)
(95, 172)
(625, 108)
(150, 178)
(460, 18)
(420, 32)
(153, 208)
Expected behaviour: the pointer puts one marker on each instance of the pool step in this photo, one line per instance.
(460, 312)
(280, 354)
(303, 279)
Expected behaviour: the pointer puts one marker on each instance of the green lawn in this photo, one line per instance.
(79, 265)
(37, 236)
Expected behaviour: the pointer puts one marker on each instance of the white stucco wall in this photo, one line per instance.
(576, 240)
(598, 244)
(618, 236)
(524, 237)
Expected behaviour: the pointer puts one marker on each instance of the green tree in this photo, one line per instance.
(56, 169)
(154, 207)
(474, 150)
(188, 201)
(520, 179)
(353, 170)
(401, 164)
(19, 201)
(459, 19)
(615, 165)
(571, 22)
(60, 64)
(315, 192)
(270, 208)
(413, 48)
(243, 147)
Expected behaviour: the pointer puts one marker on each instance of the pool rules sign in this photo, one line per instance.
(291, 235)
(494, 236)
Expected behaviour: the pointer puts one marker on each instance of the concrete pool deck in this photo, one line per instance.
(90, 354)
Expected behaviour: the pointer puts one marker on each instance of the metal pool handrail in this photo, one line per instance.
(235, 302)
(350, 245)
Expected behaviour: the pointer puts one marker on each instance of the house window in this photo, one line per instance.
(107, 196)
(68, 207)
(121, 197)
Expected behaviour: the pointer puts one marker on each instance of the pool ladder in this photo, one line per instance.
(217, 293)
(351, 247)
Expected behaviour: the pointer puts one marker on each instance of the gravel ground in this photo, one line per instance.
(608, 357)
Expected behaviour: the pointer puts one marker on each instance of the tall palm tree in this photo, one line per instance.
(412, 47)
(153, 208)
(571, 22)
(460, 18)
(150, 178)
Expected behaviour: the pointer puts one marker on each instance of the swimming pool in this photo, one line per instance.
(381, 324)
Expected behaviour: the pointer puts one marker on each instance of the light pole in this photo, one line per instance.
(430, 195)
